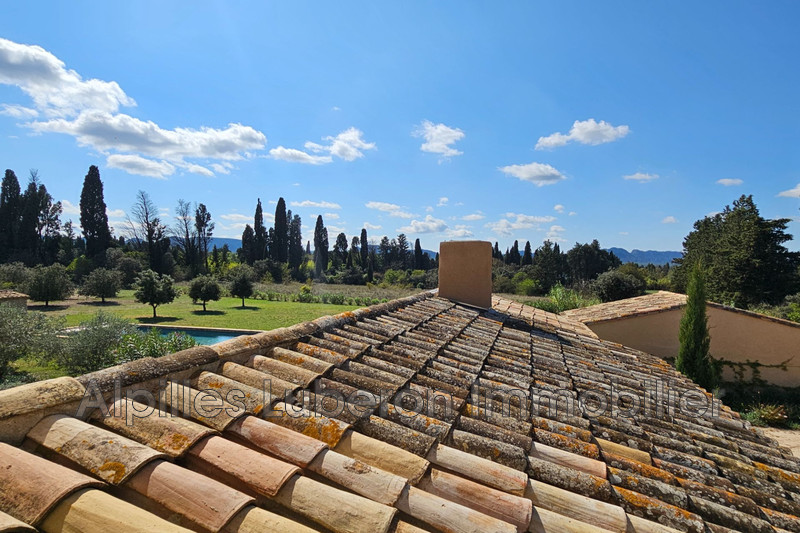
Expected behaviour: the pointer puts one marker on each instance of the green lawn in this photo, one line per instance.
(225, 313)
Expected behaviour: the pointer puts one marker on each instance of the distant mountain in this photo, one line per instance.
(641, 257)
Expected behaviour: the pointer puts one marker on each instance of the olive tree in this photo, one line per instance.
(154, 289)
(205, 289)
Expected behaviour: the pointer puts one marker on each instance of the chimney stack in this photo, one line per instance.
(465, 272)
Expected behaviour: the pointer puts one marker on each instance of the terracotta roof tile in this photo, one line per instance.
(9, 524)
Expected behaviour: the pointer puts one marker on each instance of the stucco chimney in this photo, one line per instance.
(465, 272)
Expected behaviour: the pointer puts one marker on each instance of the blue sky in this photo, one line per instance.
(621, 121)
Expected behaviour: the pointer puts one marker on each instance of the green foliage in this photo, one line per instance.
(694, 360)
(79, 268)
(528, 287)
(616, 285)
(766, 414)
(27, 334)
(14, 276)
(205, 289)
(154, 289)
(93, 346)
(241, 279)
(94, 220)
(561, 299)
(49, 283)
(102, 283)
(151, 344)
(743, 256)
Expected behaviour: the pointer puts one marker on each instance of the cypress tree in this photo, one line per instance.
(320, 247)
(694, 360)
(27, 233)
(280, 242)
(295, 251)
(364, 249)
(9, 213)
(248, 245)
(418, 264)
(94, 220)
(260, 233)
(527, 256)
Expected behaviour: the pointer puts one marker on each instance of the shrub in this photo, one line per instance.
(151, 344)
(616, 285)
(205, 289)
(94, 345)
(102, 283)
(528, 287)
(79, 268)
(154, 289)
(49, 283)
(129, 268)
(242, 282)
(27, 334)
(14, 276)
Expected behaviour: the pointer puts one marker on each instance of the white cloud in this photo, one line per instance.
(236, 217)
(394, 210)
(459, 232)
(134, 164)
(334, 230)
(429, 225)
(537, 173)
(367, 225)
(712, 214)
(517, 221)
(331, 216)
(572, 213)
(18, 111)
(321, 205)
(222, 168)
(68, 208)
(669, 220)
(429, 209)
(336, 108)
(585, 132)
(729, 182)
(641, 177)
(555, 234)
(347, 145)
(558, 208)
(89, 111)
(298, 156)
(474, 216)
(439, 139)
(791, 193)
(115, 213)
(623, 233)
(443, 201)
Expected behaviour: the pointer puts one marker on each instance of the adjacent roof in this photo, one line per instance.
(657, 302)
(416, 415)
(11, 295)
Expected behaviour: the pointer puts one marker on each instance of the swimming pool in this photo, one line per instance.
(203, 337)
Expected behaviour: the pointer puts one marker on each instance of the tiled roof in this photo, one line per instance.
(652, 303)
(11, 295)
(640, 305)
(416, 415)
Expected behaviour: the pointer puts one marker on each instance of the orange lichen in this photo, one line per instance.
(116, 470)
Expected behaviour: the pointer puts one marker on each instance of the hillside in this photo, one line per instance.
(644, 257)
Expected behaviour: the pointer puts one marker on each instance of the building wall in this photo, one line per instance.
(734, 336)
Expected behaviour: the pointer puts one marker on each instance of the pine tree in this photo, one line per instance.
(694, 359)
(260, 234)
(280, 241)
(320, 247)
(364, 248)
(94, 220)
(10, 211)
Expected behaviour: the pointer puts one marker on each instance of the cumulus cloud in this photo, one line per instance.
(517, 221)
(539, 174)
(331, 216)
(729, 182)
(443, 201)
(222, 168)
(134, 164)
(347, 145)
(641, 177)
(439, 139)
(584, 132)
(367, 225)
(321, 205)
(68, 208)
(558, 208)
(474, 216)
(115, 213)
(429, 225)
(459, 232)
(791, 193)
(89, 111)
(298, 156)
(572, 213)
(669, 220)
(555, 233)
(393, 210)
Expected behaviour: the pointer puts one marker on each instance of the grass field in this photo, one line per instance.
(225, 313)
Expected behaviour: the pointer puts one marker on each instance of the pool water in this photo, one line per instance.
(203, 337)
